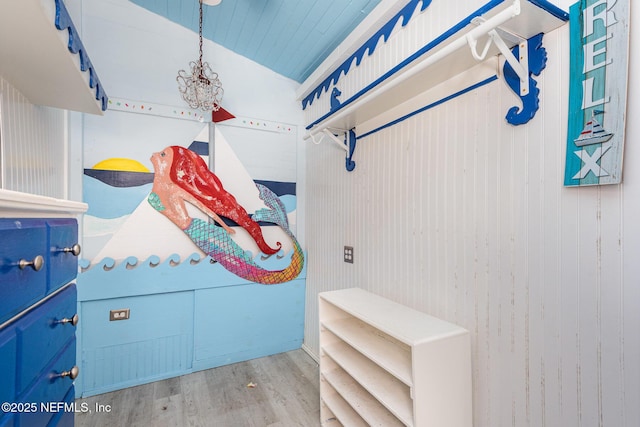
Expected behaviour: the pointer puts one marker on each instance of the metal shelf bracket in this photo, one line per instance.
(348, 143)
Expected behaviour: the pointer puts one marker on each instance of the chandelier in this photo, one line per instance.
(201, 89)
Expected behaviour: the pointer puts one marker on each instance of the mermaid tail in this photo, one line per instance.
(217, 243)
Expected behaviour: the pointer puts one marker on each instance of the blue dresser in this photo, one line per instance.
(38, 302)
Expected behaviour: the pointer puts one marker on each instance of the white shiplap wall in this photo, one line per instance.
(460, 215)
(32, 145)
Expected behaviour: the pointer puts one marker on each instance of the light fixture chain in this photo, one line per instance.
(202, 88)
(200, 32)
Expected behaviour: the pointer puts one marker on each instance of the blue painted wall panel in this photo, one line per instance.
(155, 342)
(183, 318)
(151, 316)
(244, 322)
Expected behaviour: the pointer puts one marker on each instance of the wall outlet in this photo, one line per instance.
(120, 314)
(348, 254)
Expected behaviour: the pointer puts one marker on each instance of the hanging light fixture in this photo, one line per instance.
(201, 89)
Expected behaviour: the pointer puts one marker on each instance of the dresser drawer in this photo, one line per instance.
(8, 360)
(66, 418)
(63, 252)
(22, 241)
(49, 326)
(50, 387)
(7, 420)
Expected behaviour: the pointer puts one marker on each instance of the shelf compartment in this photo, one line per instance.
(393, 356)
(387, 389)
(360, 399)
(340, 412)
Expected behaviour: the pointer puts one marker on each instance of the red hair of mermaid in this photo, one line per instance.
(190, 172)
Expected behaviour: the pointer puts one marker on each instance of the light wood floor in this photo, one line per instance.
(286, 393)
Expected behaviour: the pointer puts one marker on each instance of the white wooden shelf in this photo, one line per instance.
(337, 408)
(450, 57)
(362, 402)
(495, 28)
(36, 59)
(390, 364)
(394, 358)
(387, 389)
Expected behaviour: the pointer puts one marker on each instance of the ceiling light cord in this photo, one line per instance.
(202, 88)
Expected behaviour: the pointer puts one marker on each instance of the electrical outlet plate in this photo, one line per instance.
(348, 254)
(120, 314)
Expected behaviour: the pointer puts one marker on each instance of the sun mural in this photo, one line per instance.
(121, 164)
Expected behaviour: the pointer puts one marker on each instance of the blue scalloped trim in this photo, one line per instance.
(63, 22)
(132, 262)
(195, 262)
(370, 45)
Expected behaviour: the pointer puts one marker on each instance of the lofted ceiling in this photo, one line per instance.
(290, 37)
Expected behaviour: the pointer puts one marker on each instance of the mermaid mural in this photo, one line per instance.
(182, 176)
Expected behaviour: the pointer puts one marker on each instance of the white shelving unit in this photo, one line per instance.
(384, 364)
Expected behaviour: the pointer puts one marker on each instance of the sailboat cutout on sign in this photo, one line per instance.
(593, 132)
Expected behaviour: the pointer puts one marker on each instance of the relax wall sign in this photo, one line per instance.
(599, 45)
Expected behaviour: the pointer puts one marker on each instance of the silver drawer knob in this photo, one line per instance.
(36, 264)
(73, 320)
(71, 373)
(74, 250)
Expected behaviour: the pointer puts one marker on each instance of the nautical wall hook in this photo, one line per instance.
(525, 59)
(351, 142)
(536, 56)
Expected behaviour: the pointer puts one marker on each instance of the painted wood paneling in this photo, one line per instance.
(291, 37)
(237, 323)
(460, 215)
(32, 145)
(155, 342)
(185, 315)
